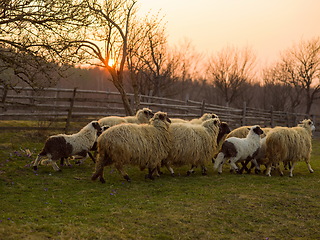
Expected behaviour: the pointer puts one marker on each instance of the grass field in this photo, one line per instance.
(68, 205)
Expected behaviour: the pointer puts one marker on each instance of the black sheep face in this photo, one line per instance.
(148, 113)
(163, 117)
(97, 126)
(257, 130)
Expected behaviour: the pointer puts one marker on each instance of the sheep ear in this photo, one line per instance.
(248, 129)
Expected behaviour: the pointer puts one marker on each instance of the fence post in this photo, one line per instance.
(271, 117)
(3, 99)
(202, 107)
(244, 113)
(70, 110)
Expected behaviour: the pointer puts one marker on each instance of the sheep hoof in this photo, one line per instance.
(126, 177)
(311, 171)
(35, 168)
(204, 174)
(173, 175)
(257, 171)
(102, 180)
(148, 176)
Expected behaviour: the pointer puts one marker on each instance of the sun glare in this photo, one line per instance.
(111, 62)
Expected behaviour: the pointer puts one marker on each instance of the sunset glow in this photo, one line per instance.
(269, 27)
(111, 62)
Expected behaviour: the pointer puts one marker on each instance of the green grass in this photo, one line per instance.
(68, 205)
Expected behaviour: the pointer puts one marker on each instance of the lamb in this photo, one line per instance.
(239, 149)
(80, 159)
(144, 145)
(192, 144)
(242, 132)
(63, 146)
(290, 145)
(142, 116)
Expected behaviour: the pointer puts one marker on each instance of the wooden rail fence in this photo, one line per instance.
(69, 106)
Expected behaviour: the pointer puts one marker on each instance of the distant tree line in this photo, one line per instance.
(43, 43)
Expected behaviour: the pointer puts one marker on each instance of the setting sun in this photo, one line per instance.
(111, 62)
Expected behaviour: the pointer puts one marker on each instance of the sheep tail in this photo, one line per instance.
(218, 160)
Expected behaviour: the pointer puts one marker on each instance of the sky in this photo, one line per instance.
(266, 26)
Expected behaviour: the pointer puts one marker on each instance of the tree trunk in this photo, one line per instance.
(118, 83)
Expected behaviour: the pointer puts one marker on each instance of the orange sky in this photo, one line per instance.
(267, 26)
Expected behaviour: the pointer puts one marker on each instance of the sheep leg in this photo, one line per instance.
(123, 173)
(170, 169)
(62, 161)
(98, 172)
(55, 166)
(191, 170)
(218, 163)
(91, 156)
(36, 162)
(291, 169)
(309, 167)
(233, 164)
(268, 171)
(203, 170)
(150, 173)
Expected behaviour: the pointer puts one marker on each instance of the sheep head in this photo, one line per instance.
(96, 126)
(307, 123)
(257, 130)
(160, 117)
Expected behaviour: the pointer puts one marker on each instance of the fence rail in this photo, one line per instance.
(73, 105)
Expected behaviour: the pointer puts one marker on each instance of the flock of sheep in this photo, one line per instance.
(152, 141)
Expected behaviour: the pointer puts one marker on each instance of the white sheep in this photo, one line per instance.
(81, 159)
(192, 144)
(144, 145)
(142, 116)
(242, 132)
(239, 149)
(63, 146)
(290, 145)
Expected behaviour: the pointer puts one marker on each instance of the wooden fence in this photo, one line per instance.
(69, 106)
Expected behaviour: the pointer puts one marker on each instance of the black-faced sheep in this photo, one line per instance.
(192, 144)
(290, 145)
(63, 146)
(239, 149)
(142, 116)
(144, 145)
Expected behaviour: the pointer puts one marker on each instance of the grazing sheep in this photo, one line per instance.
(239, 149)
(290, 145)
(63, 146)
(142, 116)
(192, 144)
(144, 145)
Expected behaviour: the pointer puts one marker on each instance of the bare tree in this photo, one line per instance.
(33, 39)
(279, 92)
(229, 70)
(302, 63)
(108, 39)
